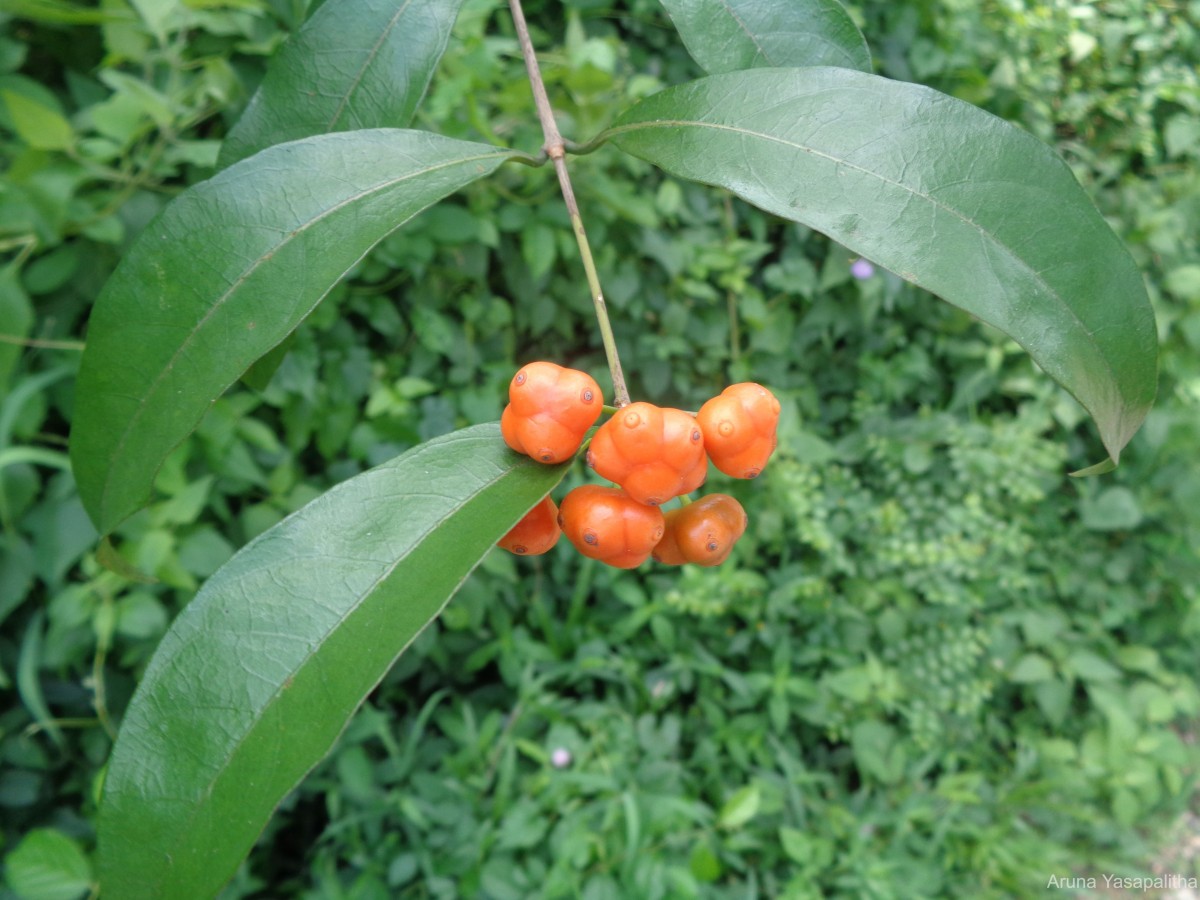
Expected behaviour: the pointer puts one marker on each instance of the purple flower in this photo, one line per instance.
(862, 269)
(560, 758)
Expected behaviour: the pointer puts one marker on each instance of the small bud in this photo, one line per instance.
(560, 758)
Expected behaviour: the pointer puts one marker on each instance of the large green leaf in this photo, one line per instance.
(940, 192)
(354, 64)
(223, 275)
(258, 676)
(727, 35)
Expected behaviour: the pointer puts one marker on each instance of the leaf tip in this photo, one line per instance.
(1100, 468)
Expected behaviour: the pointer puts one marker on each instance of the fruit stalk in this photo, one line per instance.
(555, 149)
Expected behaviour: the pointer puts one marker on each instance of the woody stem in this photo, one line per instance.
(556, 150)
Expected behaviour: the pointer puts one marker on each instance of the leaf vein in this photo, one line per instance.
(345, 99)
(289, 236)
(1034, 274)
(257, 717)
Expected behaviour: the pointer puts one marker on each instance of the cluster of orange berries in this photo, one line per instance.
(652, 453)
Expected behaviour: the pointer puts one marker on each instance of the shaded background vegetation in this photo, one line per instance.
(934, 660)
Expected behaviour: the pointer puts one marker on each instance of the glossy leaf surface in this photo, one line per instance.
(728, 35)
(223, 275)
(257, 677)
(947, 196)
(354, 64)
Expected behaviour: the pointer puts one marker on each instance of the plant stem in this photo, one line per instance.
(41, 343)
(99, 688)
(731, 300)
(735, 340)
(555, 148)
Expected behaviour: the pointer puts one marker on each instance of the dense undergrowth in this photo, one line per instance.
(934, 661)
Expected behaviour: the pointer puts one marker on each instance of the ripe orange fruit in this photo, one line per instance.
(654, 453)
(536, 533)
(702, 532)
(739, 428)
(607, 524)
(549, 411)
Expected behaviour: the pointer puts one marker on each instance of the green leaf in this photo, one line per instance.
(728, 35)
(1090, 667)
(61, 12)
(223, 275)
(1054, 699)
(257, 677)
(797, 845)
(16, 574)
(1113, 509)
(29, 681)
(1030, 668)
(1184, 281)
(854, 684)
(24, 392)
(15, 456)
(38, 126)
(354, 64)
(877, 752)
(538, 249)
(16, 319)
(48, 865)
(153, 103)
(157, 15)
(1182, 134)
(107, 556)
(259, 375)
(1136, 658)
(740, 808)
(704, 864)
(1103, 467)
(1125, 806)
(944, 194)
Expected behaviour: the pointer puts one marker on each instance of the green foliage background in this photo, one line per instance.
(934, 659)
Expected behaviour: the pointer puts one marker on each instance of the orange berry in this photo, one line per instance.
(549, 411)
(667, 550)
(653, 453)
(607, 524)
(702, 532)
(536, 533)
(739, 428)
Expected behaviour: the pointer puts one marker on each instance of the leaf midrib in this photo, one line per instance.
(1004, 248)
(157, 381)
(374, 52)
(358, 603)
(742, 25)
(845, 53)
